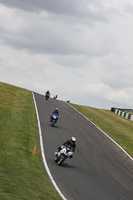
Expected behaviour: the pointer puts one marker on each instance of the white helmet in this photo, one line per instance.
(73, 139)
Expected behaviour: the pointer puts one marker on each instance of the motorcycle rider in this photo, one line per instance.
(71, 142)
(56, 112)
(55, 97)
(47, 93)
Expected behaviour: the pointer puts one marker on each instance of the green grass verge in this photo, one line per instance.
(22, 174)
(119, 128)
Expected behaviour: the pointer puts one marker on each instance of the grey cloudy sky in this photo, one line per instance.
(80, 50)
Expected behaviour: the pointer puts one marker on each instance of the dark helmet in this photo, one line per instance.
(73, 140)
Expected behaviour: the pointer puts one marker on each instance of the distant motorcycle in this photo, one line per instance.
(54, 119)
(47, 96)
(55, 97)
(65, 153)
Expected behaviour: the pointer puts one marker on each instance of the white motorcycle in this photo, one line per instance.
(65, 153)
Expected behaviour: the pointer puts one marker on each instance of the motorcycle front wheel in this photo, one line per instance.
(62, 159)
(52, 123)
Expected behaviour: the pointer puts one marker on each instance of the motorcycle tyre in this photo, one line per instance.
(62, 159)
(47, 97)
(52, 123)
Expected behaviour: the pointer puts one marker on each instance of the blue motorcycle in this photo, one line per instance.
(54, 119)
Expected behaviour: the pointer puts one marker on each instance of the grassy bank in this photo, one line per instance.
(119, 128)
(22, 174)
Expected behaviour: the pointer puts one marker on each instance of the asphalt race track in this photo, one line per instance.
(99, 169)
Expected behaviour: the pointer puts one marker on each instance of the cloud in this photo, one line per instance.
(80, 50)
(103, 91)
(120, 96)
(67, 7)
(37, 33)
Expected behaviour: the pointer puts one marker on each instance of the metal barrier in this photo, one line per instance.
(123, 112)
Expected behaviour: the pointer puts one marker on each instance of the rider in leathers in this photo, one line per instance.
(47, 93)
(71, 143)
(56, 112)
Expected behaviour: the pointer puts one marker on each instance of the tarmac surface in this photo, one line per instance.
(99, 169)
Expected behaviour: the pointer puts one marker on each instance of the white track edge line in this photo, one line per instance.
(103, 132)
(43, 154)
